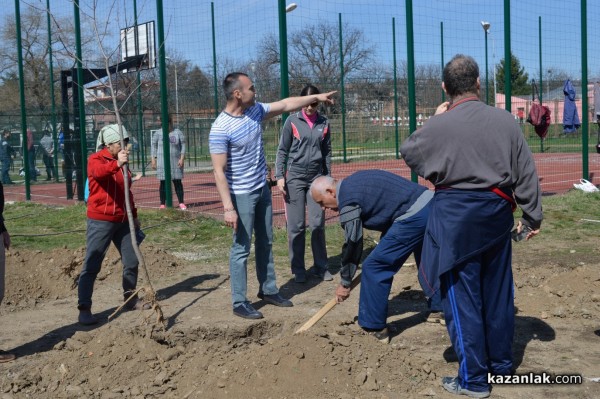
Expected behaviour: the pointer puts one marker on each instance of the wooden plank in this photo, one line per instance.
(325, 309)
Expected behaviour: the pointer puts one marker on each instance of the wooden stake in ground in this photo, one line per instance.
(325, 309)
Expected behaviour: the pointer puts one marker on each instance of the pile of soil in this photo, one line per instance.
(204, 351)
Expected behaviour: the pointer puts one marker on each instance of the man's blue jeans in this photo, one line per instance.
(5, 170)
(255, 213)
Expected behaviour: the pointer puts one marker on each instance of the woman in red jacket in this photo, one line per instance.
(107, 220)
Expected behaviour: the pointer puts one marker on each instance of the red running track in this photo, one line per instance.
(557, 173)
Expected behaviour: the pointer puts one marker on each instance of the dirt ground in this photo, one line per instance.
(206, 352)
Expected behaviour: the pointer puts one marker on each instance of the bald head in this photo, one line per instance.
(320, 184)
(323, 192)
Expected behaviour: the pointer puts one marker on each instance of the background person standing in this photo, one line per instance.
(304, 154)
(31, 155)
(47, 147)
(176, 156)
(6, 155)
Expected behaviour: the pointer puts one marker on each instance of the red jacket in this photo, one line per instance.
(107, 189)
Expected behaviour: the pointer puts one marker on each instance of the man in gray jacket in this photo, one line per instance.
(481, 166)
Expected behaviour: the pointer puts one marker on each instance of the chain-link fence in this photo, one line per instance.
(384, 59)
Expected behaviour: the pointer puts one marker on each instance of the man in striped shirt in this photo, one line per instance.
(240, 168)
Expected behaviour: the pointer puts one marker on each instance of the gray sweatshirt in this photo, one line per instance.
(473, 147)
(306, 150)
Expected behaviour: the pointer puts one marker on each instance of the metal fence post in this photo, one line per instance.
(342, 100)
(584, 93)
(412, 102)
(164, 105)
(22, 99)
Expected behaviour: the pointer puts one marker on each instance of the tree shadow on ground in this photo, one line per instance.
(407, 301)
(189, 285)
(528, 329)
(49, 340)
(397, 327)
(290, 288)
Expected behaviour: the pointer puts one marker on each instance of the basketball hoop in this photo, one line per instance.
(139, 41)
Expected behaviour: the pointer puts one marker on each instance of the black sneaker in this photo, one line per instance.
(276, 300)
(452, 385)
(86, 318)
(246, 311)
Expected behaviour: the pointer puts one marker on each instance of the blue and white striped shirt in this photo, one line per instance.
(240, 137)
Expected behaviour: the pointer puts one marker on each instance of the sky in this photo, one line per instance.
(241, 25)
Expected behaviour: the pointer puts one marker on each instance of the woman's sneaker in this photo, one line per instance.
(86, 318)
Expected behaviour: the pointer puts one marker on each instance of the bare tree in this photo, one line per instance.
(192, 94)
(34, 42)
(367, 94)
(34, 38)
(428, 85)
(314, 54)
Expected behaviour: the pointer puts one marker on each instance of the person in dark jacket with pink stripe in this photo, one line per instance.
(304, 154)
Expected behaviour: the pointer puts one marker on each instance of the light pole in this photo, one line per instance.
(494, 66)
(253, 77)
(548, 80)
(176, 92)
(486, 28)
(283, 51)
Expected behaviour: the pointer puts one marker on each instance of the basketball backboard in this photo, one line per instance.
(139, 40)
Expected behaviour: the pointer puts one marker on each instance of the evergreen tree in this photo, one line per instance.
(518, 77)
